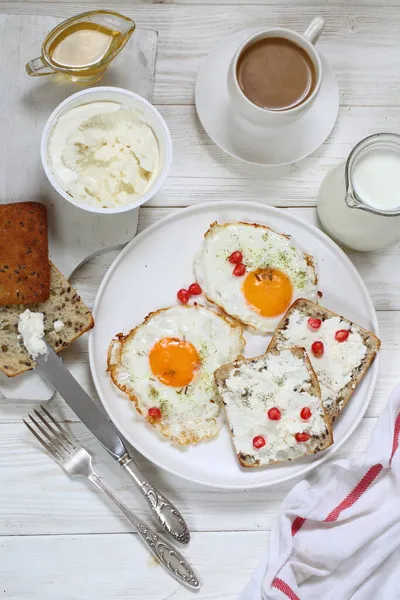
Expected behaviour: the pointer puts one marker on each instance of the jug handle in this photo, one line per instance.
(351, 200)
(37, 67)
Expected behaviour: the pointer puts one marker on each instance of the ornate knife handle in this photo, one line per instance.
(167, 515)
(169, 558)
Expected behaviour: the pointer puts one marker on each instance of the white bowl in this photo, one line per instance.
(147, 113)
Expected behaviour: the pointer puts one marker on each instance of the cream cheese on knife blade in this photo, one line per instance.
(103, 154)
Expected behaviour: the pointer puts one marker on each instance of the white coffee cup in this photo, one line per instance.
(273, 118)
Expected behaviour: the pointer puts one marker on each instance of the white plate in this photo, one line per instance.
(146, 276)
(260, 145)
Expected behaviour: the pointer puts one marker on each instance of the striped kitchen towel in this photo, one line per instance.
(337, 534)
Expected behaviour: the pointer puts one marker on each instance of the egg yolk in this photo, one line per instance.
(174, 362)
(268, 291)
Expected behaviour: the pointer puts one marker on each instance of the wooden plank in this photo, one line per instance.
(202, 172)
(357, 41)
(76, 359)
(121, 4)
(38, 497)
(119, 567)
(379, 271)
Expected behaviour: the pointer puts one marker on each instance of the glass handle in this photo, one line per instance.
(351, 200)
(37, 67)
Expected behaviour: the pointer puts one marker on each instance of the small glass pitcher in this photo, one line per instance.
(345, 210)
(83, 46)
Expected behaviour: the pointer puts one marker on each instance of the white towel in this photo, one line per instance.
(337, 536)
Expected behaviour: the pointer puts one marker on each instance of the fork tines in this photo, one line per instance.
(50, 433)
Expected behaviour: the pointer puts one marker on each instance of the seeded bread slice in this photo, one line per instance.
(64, 305)
(334, 399)
(284, 380)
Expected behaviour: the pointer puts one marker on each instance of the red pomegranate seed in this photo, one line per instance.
(239, 270)
(302, 437)
(154, 413)
(305, 413)
(236, 257)
(195, 289)
(274, 414)
(342, 335)
(259, 441)
(314, 323)
(317, 349)
(183, 296)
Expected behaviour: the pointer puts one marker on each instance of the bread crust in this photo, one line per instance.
(221, 374)
(24, 254)
(372, 342)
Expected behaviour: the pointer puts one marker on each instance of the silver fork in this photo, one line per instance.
(76, 461)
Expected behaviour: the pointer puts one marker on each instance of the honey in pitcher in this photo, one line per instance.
(83, 45)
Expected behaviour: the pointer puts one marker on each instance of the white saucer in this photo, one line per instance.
(247, 142)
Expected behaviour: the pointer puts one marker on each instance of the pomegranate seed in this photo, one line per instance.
(154, 413)
(236, 257)
(183, 296)
(259, 441)
(342, 335)
(195, 289)
(317, 349)
(314, 323)
(239, 270)
(274, 414)
(305, 413)
(302, 437)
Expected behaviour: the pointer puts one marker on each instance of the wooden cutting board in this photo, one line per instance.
(25, 105)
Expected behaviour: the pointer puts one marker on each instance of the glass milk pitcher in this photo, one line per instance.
(359, 201)
(83, 46)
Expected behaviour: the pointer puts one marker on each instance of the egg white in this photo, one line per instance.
(261, 248)
(189, 414)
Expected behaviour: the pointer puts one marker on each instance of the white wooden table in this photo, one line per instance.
(58, 539)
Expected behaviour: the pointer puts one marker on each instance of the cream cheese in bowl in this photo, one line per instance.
(103, 154)
(106, 150)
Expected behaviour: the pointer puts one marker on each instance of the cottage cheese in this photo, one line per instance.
(58, 325)
(103, 154)
(31, 329)
(335, 368)
(281, 381)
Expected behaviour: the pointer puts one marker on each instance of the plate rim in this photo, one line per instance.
(232, 204)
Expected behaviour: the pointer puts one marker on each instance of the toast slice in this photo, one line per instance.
(24, 254)
(343, 363)
(64, 305)
(264, 398)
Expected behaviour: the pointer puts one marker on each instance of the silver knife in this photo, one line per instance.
(96, 420)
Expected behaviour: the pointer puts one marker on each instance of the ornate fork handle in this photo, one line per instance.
(166, 513)
(172, 560)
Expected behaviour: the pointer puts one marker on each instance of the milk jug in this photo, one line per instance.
(359, 201)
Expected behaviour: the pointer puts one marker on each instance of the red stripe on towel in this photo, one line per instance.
(283, 587)
(355, 493)
(396, 436)
(297, 524)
